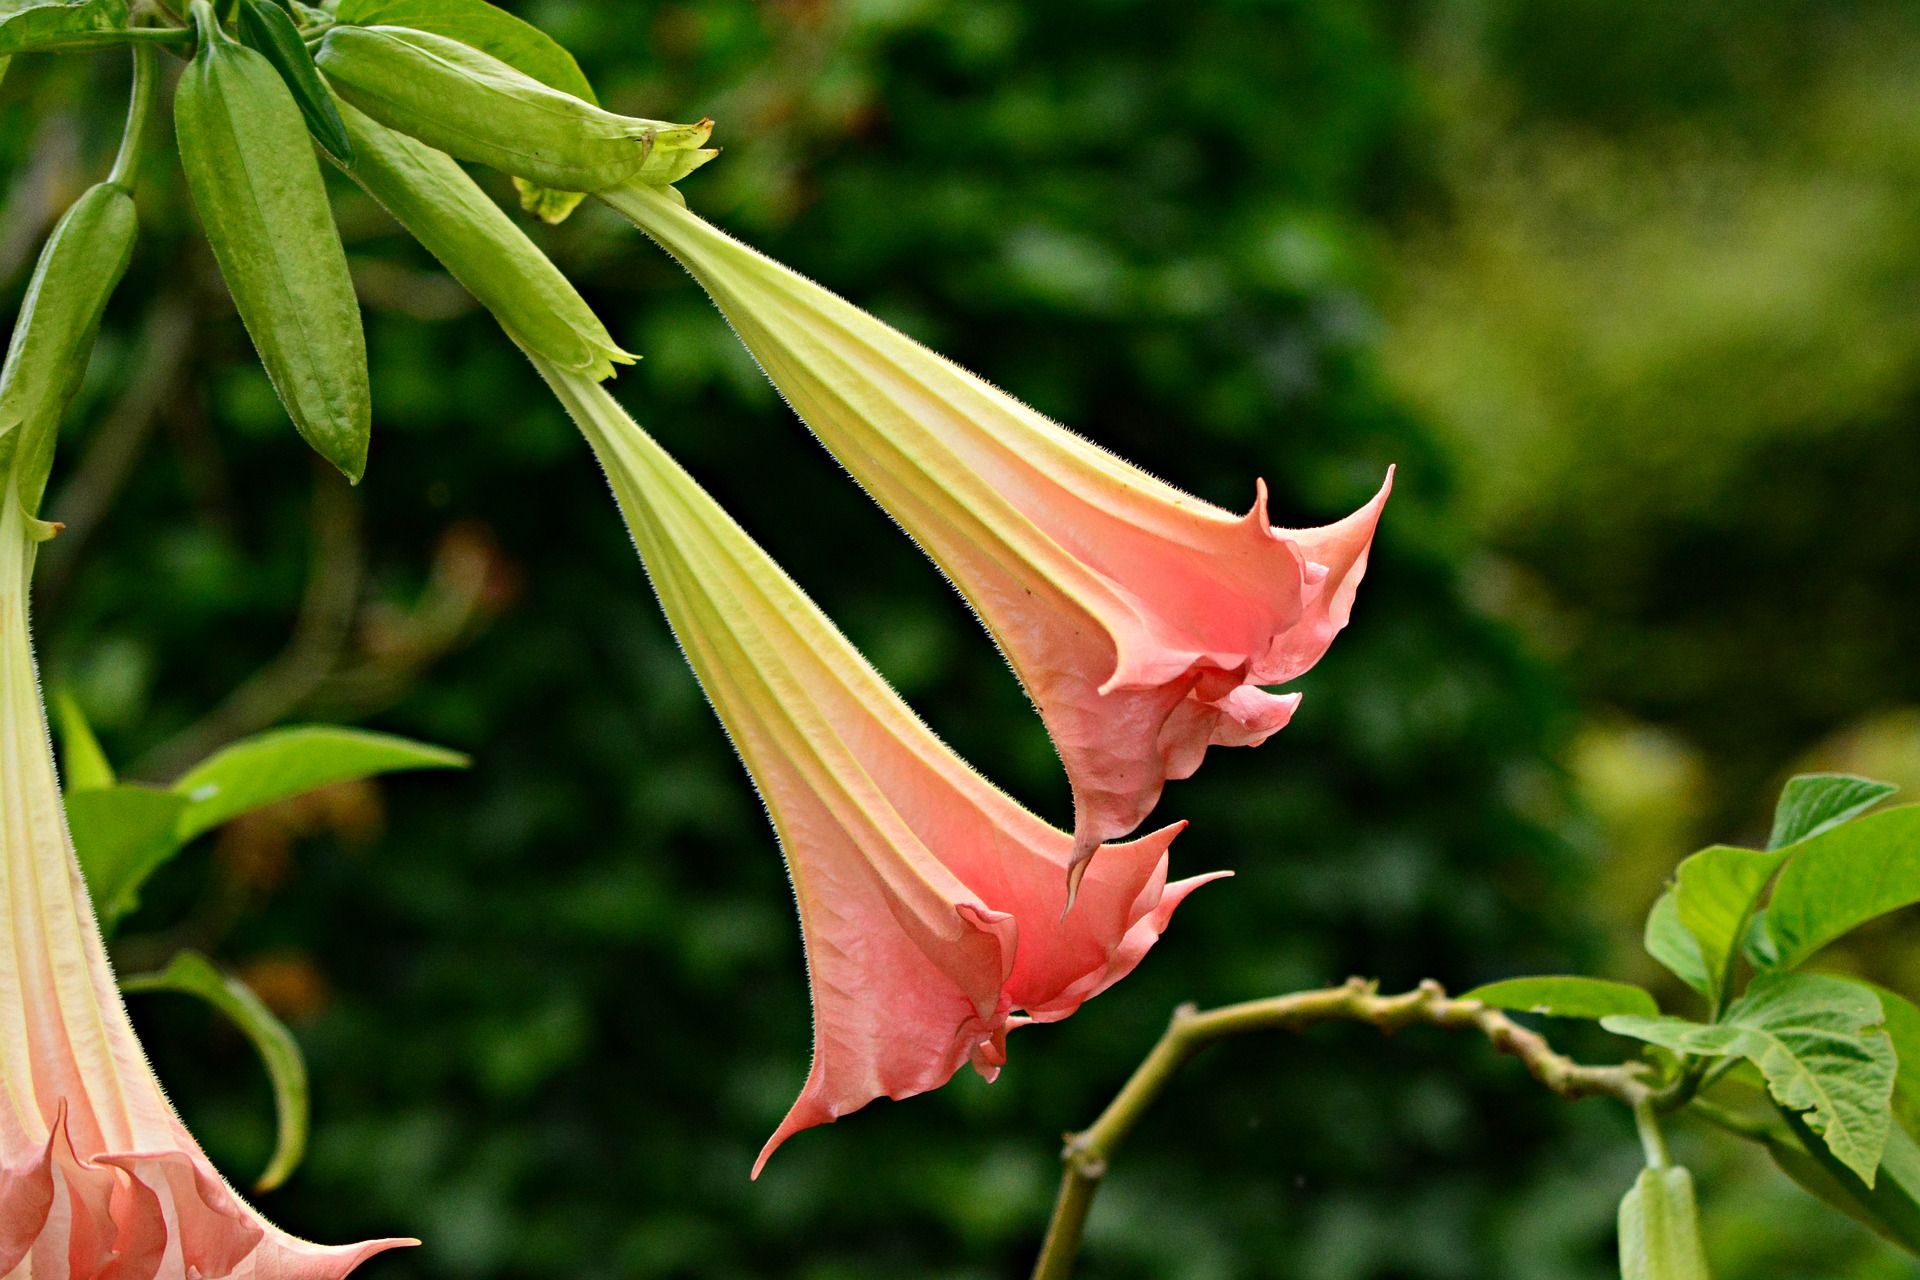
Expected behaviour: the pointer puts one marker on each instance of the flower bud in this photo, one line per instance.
(82, 262)
(430, 195)
(474, 106)
(257, 187)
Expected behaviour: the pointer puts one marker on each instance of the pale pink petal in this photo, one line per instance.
(98, 1178)
(1140, 619)
(932, 906)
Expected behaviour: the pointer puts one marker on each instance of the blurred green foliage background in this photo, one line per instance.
(1627, 289)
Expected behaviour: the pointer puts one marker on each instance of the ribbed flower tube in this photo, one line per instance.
(1144, 623)
(932, 906)
(99, 1180)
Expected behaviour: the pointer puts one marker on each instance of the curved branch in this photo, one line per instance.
(1086, 1156)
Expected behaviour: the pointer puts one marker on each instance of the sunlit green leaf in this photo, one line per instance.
(1668, 941)
(83, 765)
(1819, 1043)
(1715, 892)
(191, 973)
(289, 762)
(1566, 997)
(122, 835)
(1817, 802)
(1660, 1228)
(1842, 878)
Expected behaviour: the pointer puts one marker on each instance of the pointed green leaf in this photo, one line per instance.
(1668, 941)
(1828, 1054)
(1715, 892)
(1566, 997)
(289, 762)
(268, 29)
(83, 765)
(1842, 878)
(191, 973)
(122, 835)
(1660, 1228)
(1819, 1043)
(1817, 802)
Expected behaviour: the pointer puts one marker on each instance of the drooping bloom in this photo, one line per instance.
(1142, 621)
(931, 904)
(98, 1178)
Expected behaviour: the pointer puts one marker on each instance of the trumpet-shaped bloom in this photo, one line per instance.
(98, 1178)
(931, 904)
(1142, 621)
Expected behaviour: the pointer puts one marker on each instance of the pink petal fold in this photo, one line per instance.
(931, 904)
(1141, 620)
(98, 1178)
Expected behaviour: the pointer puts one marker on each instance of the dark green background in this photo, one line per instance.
(555, 1005)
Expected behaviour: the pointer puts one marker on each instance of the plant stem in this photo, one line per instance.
(1086, 1155)
(127, 162)
(1652, 1141)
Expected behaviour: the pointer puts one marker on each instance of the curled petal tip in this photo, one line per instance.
(930, 902)
(1112, 594)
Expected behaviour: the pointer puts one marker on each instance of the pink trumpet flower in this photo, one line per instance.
(98, 1178)
(1142, 621)
(931, 904)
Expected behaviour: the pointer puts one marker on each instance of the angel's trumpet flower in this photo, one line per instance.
(931, 904)
(1142, 621)
(98, 1178)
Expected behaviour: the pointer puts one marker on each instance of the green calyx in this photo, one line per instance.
(78, 270)
(472, 105)
(433, 198)
(257, 188)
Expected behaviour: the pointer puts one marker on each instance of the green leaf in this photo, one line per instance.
(1568, 997)
(1715, 892)
(289, 762)
(1668, 941)
(1890, 1207)
(83, 765)
(122, 835)
(1842, 878)
(191, 973)
(1660, 1228)
(519, 44)
(1817, 802)
(64, 28)
(269, 30)
(1903, 1028)
(1818, 1042)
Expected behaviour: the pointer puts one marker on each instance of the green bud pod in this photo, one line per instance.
(1660, 1228)
(82, 262)
(472, 105)
(268, 29)
(431, 196)
(257, 187)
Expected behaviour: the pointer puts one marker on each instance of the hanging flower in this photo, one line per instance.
(932, 906)
(1143, 622)
(98, 1178)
